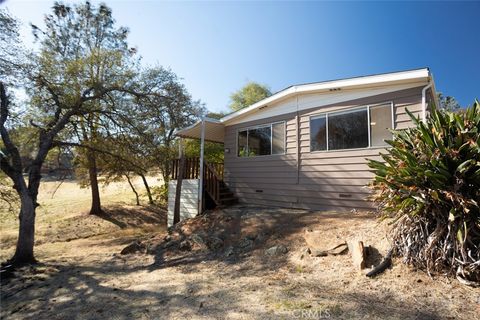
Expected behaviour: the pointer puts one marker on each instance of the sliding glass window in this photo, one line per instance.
(262, 140)
(352, 129)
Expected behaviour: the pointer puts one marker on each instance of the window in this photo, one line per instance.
(348, 130)
(242, 143)
(359, 128)
(259, 141)
(262, 140)
(318, 133)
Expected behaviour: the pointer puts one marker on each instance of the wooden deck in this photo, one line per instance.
(213, 174)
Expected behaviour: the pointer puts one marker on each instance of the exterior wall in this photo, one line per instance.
(188, 199)
(311, 180)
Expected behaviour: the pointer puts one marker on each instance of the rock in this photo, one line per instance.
(339, 249)
(215, 243)
(276, 250)
(229, 251)
(133, 248)
(245, 243)
(197, 239)
(185, 245)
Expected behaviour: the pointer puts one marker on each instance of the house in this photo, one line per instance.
(306, 146)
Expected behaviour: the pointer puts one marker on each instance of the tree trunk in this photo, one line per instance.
(133, 189)
(26, 233)
(149, 193)
(92, 172)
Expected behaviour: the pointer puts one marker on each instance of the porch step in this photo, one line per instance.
(226, 194)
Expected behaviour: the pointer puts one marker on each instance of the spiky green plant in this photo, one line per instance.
(429, 183)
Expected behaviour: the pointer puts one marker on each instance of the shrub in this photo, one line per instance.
(429, 183)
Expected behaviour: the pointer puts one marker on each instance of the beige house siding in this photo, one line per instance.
(312, 180)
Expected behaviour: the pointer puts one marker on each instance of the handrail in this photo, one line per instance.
(191, 169)
(211, 181)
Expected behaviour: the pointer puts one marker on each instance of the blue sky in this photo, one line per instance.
(216, 47)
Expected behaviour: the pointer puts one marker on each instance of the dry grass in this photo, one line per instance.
(63, 213)
(86, 278)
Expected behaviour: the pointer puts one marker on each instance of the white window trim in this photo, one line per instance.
(347, 110)
(271, 139)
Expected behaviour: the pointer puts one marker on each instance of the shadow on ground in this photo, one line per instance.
(209, 284)
(134, 216)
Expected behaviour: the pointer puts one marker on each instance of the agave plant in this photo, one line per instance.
(429, 183)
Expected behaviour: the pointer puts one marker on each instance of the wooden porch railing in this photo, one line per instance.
(191, 170)
(211, 182)
(212, 174)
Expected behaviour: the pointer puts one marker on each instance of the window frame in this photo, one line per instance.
(271, 139)
(368, 106)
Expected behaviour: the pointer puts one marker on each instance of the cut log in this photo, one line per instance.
(358, 254)
(337, 250)
(387, 261)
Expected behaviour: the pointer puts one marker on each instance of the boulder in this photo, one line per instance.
(276, 250)
(229, 251)
(214, 243)
(134, 247)
(245, 243)
(185, 245)
(197, 239)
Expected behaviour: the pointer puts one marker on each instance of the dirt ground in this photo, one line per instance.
(87, 278)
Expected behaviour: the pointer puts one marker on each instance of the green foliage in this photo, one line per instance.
(12, 53)
(429, 183)
(214, 152)
(160, 194)
(9, 200)
(249, 94)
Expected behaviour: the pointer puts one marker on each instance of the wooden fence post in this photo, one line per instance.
(178, 189)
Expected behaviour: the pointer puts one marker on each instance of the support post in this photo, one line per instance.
(178, 189)
(200, 182)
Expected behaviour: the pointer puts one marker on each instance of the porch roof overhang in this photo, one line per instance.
(214, 131)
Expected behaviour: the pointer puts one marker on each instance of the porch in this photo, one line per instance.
(203, 185)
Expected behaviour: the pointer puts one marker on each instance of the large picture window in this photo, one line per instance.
(358, 128)
(262, 140)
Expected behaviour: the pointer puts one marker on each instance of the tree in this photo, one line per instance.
(8, 196)
(249, 94)
(63, 91)
(159, 117)
(448, 103)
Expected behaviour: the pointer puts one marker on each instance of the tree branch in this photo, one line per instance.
(79, 145)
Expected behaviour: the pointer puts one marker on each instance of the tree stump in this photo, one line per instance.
(358, 254)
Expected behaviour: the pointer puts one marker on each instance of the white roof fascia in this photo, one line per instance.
(402, 76)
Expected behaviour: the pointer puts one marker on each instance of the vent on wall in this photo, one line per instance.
(258, 190)
(344, 195)
(335, 89)
(263, 107)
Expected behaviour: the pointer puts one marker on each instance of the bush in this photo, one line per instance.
(160, 194)
(429, 183)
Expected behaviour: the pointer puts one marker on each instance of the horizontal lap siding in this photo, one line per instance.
(322, 180)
